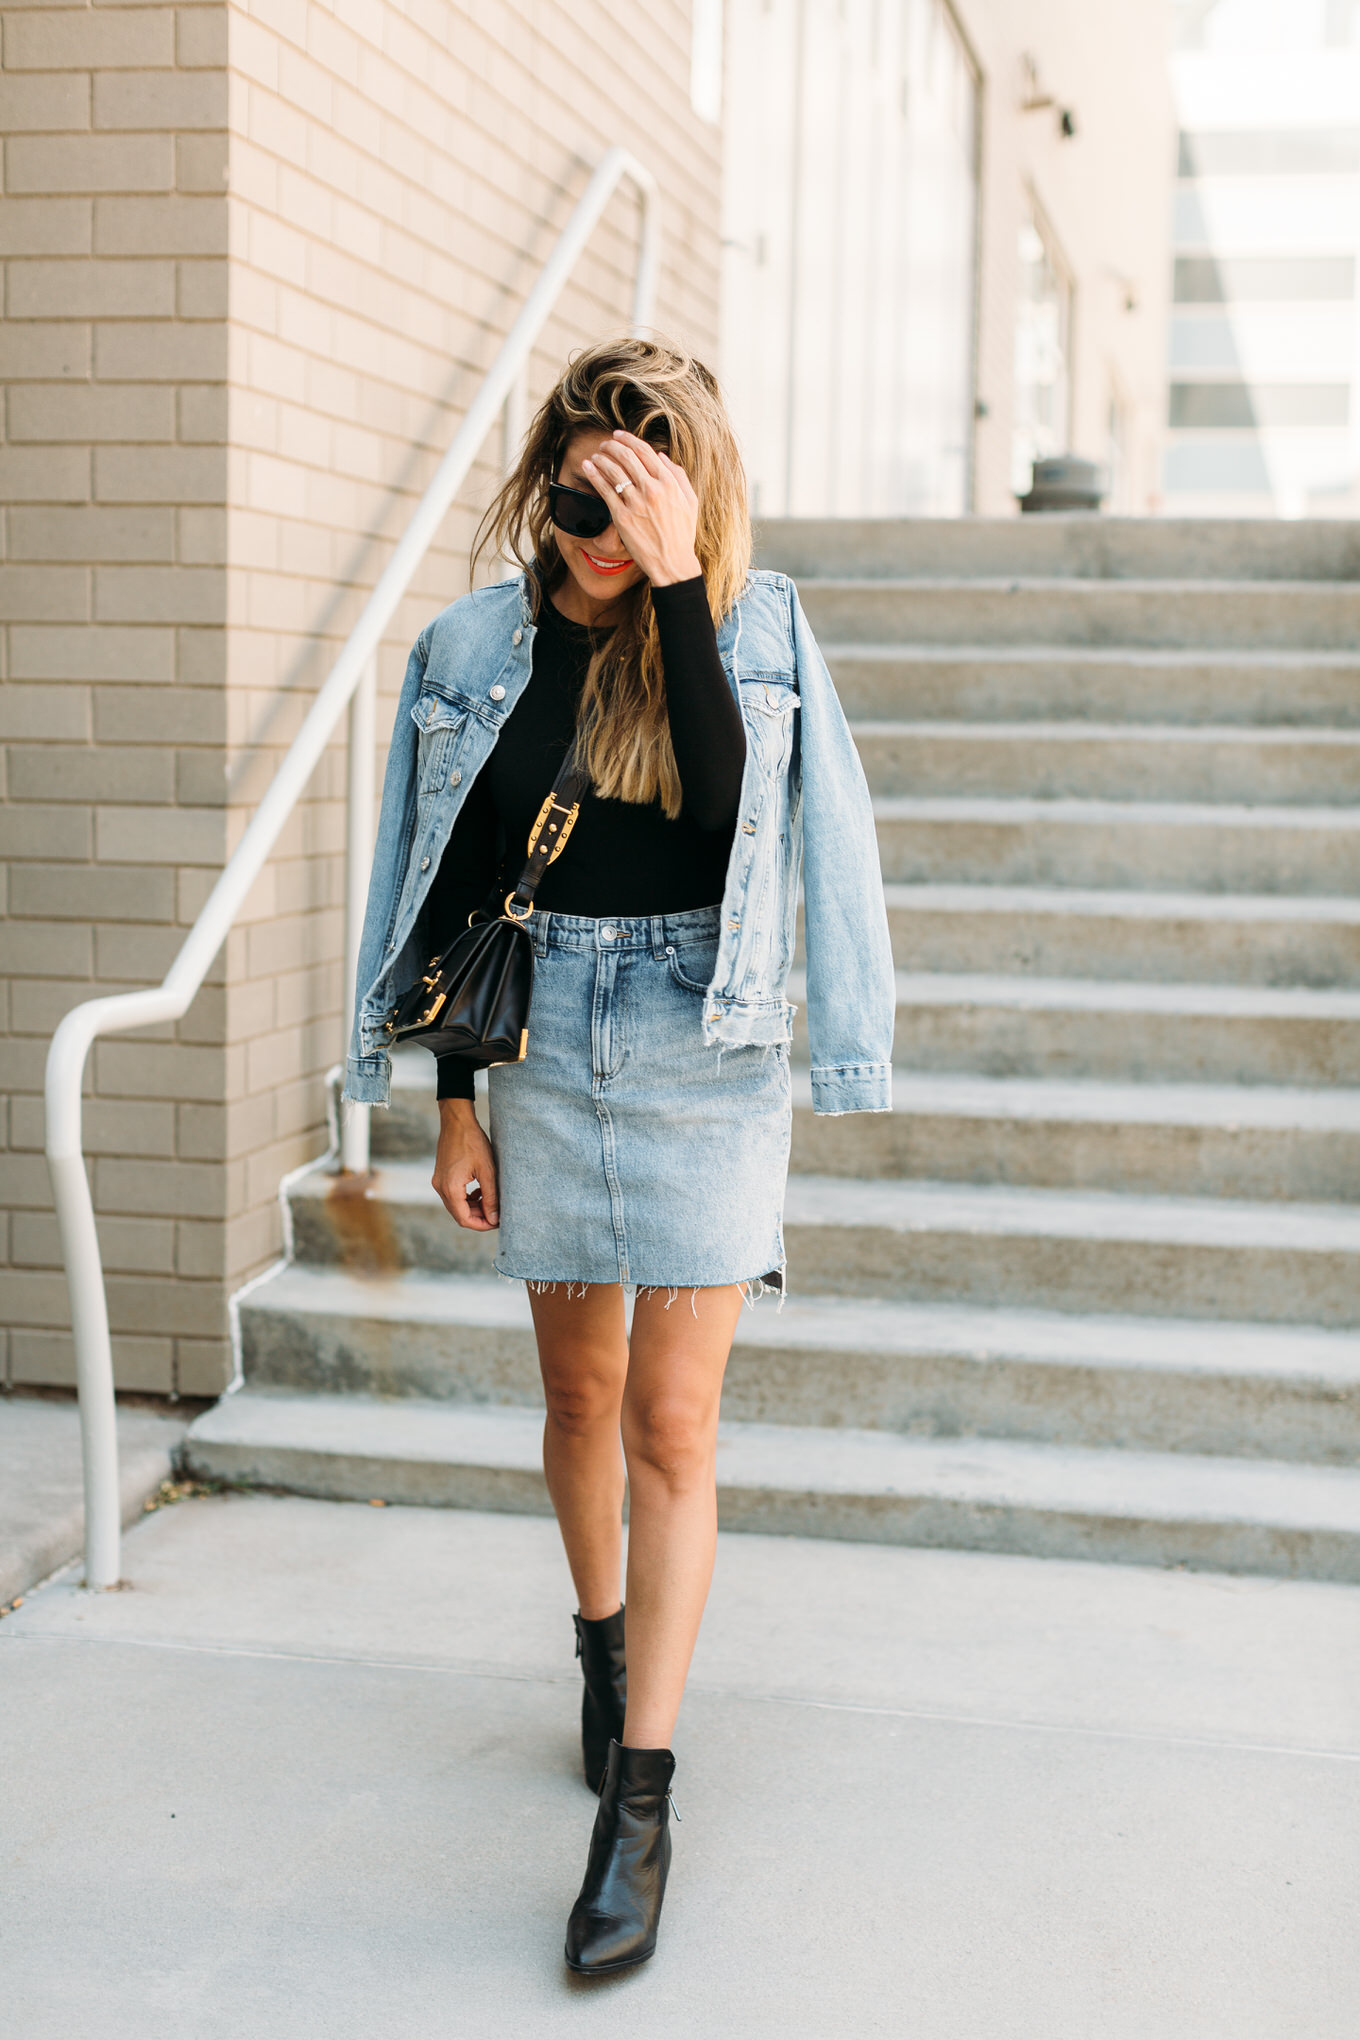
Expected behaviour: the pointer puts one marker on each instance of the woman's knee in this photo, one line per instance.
(671, 1437)
(581, 1401)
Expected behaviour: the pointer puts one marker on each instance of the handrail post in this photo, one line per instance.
(363, 706)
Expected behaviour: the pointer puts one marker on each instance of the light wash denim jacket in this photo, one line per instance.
(804, 802)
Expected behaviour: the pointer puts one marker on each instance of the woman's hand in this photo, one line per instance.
(464, 1157)
(657, 515)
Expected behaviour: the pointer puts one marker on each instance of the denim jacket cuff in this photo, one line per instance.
(852, 1087)
(368, 1079)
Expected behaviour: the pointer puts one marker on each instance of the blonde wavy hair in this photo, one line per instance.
(661, 393)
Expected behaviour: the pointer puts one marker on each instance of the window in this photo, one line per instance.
(1043, 328)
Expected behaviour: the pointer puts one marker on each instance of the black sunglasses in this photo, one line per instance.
(578, 512)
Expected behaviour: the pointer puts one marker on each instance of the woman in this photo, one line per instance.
(642, 1140)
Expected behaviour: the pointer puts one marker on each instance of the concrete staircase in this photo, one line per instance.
(1093, 1288)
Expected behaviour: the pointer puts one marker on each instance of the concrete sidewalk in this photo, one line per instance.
(42, 1508)
(315, 1774)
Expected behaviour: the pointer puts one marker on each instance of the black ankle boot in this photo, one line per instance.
(613, 1923)
(599, 1645)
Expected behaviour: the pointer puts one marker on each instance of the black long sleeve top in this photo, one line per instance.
(624, 857)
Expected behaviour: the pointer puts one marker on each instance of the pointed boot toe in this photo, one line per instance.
(614, 1922)
(599, 1645)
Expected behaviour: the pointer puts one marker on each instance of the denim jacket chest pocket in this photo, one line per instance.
(769, 703)
(440, 723)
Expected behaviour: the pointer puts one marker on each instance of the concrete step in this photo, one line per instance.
(1083, 544)
(1030, 1248)
(1137, 1031)
(1173, 613)
(1013, 683)
(935, 1370)
(1043, 1249)
(1007, 931)
(1192, 1140)
(1259, 1516)
(1112, 761)
(1138, 844)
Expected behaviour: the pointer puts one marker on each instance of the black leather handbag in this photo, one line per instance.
(473, 1001)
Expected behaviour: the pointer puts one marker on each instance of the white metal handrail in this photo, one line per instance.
(351, 683)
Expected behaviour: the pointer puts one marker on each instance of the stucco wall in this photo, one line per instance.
(256, 260)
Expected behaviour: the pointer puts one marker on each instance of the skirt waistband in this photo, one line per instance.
(648, 932)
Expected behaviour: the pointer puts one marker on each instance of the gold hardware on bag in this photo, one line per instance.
(566, 828)
(523, 1043)
(430, 1011)
(510, 910)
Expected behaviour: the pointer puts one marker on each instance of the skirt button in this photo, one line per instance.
(608, 934)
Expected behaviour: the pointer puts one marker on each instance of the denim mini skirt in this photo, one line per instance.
(628, 1151)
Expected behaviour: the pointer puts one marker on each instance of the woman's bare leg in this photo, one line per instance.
(583, 1357)
(670, 1428)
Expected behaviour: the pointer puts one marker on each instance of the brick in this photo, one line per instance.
(201, 162)
(49, 712)
(139, 1069)
(179, 1189)
(129, 38)
(160, 594)
(90, 290)
(201, 37)
(165, 715)
(24, 1183)
(31, 831)
(96, 652)
(41, 352)
(203, 414)
(45, 226)
(141, 954)
(163, 835)
(137, 1304)
(125, 533)
(72, 162)
(164, 100)
(156, 474)
(46, 104)
(202, 1366)
(29, 948)
(198, 1247)
(201, 290)
(127, 1246)
(132, 412)
(50, 593)
(163, 350)
(81, 772)
(40, 1005)
(140, 1366)
(201, 778)
(44, 475)
(202, 537)
(82, 892)
(160, 226)
(108, 1127)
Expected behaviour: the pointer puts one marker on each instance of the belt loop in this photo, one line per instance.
(659, 937)
(540, 930)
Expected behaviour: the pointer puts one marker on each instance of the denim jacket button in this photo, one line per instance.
(497, 693)
(424, 863)
(518, 638)
(455, 779)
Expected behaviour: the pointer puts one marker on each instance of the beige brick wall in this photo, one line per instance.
(256, 259)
